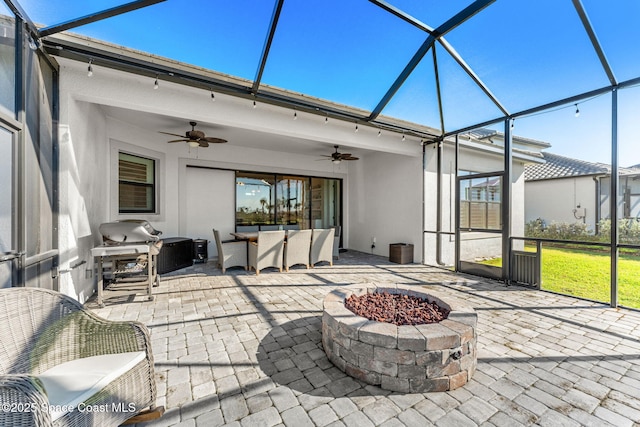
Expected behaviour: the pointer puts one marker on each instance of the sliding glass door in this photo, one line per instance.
(292, 201)
(255, 198)
(325, 202)
(292, 196)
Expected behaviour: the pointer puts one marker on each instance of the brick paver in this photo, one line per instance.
(240, 350)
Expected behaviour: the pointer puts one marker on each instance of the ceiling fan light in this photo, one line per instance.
(336, 161)
(194, 144)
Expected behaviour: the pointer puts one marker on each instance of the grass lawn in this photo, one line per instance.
(586, 274)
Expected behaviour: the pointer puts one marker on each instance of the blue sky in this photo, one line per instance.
(527, 53)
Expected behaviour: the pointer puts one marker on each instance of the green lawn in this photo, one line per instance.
(586, 274)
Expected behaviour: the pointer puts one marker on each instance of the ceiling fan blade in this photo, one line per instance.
(172, 134)
(213, 140)
(179, 140)
(203, 143)
(345, 154)
(350, 158)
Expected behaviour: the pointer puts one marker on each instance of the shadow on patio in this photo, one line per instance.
(241, 349)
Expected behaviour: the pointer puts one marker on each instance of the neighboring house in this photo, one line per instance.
(564, 189)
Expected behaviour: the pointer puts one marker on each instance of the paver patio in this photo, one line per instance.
(245, 350)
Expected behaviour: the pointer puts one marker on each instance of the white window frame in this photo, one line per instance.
(118, 147)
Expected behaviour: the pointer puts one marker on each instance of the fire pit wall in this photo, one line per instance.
(417, 359)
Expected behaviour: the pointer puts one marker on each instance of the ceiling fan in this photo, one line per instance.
(338, 157)
(195, 138)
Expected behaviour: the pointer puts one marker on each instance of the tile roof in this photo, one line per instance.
(556, 166)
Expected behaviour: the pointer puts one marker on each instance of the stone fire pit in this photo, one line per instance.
(417, 359)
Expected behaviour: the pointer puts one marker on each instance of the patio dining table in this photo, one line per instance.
(251, 236)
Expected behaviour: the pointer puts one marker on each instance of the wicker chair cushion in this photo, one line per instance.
(71, 383)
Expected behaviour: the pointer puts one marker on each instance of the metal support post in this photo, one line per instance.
(506, 202)
(613, 200)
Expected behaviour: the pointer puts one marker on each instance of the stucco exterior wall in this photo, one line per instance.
(562, 200)
(383, 188)
(385, 203)
(83, 168)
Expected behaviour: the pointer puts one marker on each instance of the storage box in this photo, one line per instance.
(401, 253)
(176, 253)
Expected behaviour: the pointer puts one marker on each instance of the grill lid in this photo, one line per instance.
(128, 231)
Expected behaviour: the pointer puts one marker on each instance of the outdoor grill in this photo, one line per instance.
(128, 231)
(127, 259)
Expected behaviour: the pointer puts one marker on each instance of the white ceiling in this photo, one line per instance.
(237, 136)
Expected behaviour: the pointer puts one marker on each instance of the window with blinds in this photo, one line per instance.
(136, 184)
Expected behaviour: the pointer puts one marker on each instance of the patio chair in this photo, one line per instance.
(61, 363)
(296, 250)
(231, 253)
(322, 245)
(268, 251)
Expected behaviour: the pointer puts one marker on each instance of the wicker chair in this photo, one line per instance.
(53, 353)
(296, 250)
(268, 251)
(231, 253)
(322, 245)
